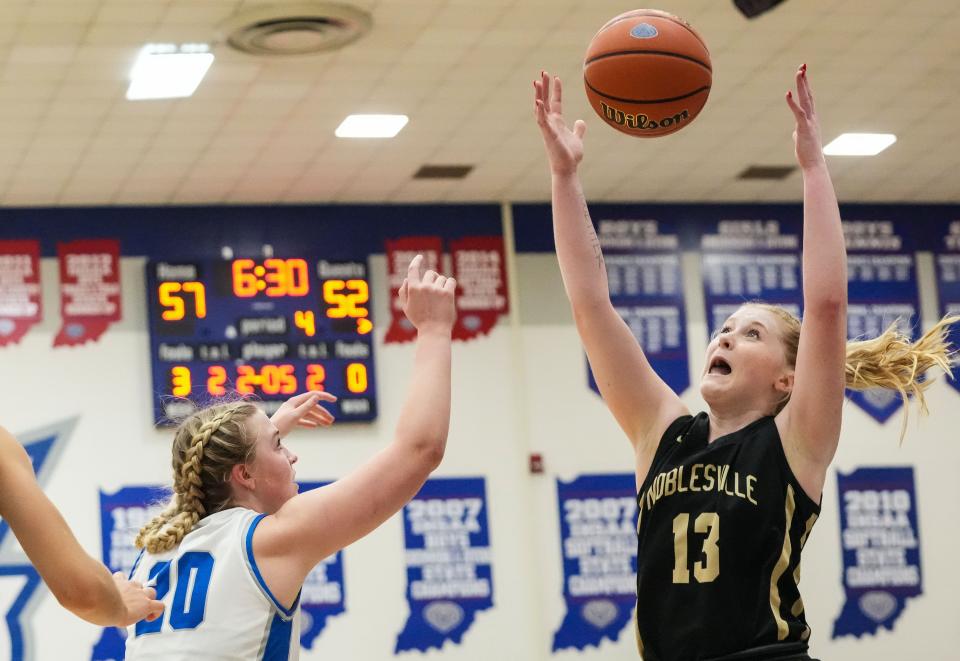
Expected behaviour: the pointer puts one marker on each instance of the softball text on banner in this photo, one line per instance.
(449, 579)
(880, 543)
(598, 534)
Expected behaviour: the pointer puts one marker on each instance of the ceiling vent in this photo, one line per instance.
(443, 171)
(767, 172)
(296, 28)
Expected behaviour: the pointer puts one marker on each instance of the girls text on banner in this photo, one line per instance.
(449, 578)
(598, 536)
(747, 260)
(20, 294)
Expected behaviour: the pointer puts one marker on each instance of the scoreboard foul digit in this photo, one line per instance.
(270, 328)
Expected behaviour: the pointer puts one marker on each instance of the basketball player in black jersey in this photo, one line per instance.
(727, 498)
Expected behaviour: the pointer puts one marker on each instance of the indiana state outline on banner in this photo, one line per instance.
(880, 547)
(20, 584)
(448, 558)
(598, 537)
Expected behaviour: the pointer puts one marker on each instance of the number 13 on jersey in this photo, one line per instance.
(707, 568)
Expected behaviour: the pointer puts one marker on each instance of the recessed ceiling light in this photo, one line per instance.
(859, 144)
(371, 126)
(166, 71)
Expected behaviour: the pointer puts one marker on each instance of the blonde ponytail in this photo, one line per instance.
(894, 362)
(891, 361)
(207, 445)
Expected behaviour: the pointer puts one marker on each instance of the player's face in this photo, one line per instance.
(745, 363)
(272, 466)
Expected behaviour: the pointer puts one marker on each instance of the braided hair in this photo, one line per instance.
(206, 446)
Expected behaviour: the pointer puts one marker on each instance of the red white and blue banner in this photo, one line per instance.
(20, 294)
(89, 289)
(645, 280)
(598, 536)
(880, 543)
(882, 289)
(448, 559)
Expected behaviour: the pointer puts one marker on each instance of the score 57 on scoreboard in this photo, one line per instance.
(268, 328)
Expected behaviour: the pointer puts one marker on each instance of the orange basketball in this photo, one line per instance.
(647, 73)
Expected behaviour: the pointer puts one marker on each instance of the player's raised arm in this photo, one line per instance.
(811, 420)
(81, 584)
(313, 525)
(638, 398)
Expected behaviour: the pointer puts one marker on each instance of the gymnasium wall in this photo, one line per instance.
(520, 389)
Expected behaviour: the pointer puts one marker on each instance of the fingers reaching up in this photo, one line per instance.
(427, 298)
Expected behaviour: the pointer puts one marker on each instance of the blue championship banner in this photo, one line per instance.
(448, 557)
(598, 533)
(122, 515)
(646, 288)
(882, 288)
(749, 260)
(322, 595)
(948, 282)
(880, 543)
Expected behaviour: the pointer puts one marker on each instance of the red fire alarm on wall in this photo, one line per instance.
(536, 463)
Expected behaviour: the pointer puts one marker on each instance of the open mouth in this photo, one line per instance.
(719, 366)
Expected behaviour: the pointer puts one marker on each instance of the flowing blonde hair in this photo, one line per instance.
(206, 446)
(891, 360)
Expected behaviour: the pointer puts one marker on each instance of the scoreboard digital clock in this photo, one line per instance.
(270, 328)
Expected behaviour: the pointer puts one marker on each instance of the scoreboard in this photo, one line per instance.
(268, 328)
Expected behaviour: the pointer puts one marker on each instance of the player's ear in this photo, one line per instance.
(241, 477)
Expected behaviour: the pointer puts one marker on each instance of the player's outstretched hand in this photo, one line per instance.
(806, 135)
(140, 602)
(428, 299)
(564, 146)
(303, 410)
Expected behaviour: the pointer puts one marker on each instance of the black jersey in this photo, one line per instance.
(720, 529)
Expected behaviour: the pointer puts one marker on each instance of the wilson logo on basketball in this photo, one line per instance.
(641, 121)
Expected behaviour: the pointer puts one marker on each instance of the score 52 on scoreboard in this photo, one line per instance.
(269, 328)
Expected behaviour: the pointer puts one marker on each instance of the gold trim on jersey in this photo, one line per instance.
(783, 629)
(798, 606)
(636, 628)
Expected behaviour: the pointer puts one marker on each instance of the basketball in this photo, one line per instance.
(647, 73)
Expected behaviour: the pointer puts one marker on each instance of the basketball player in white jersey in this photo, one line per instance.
(229, 554)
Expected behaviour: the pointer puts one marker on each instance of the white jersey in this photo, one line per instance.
(217, 605)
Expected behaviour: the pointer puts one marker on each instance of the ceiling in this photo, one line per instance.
(260, 130)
